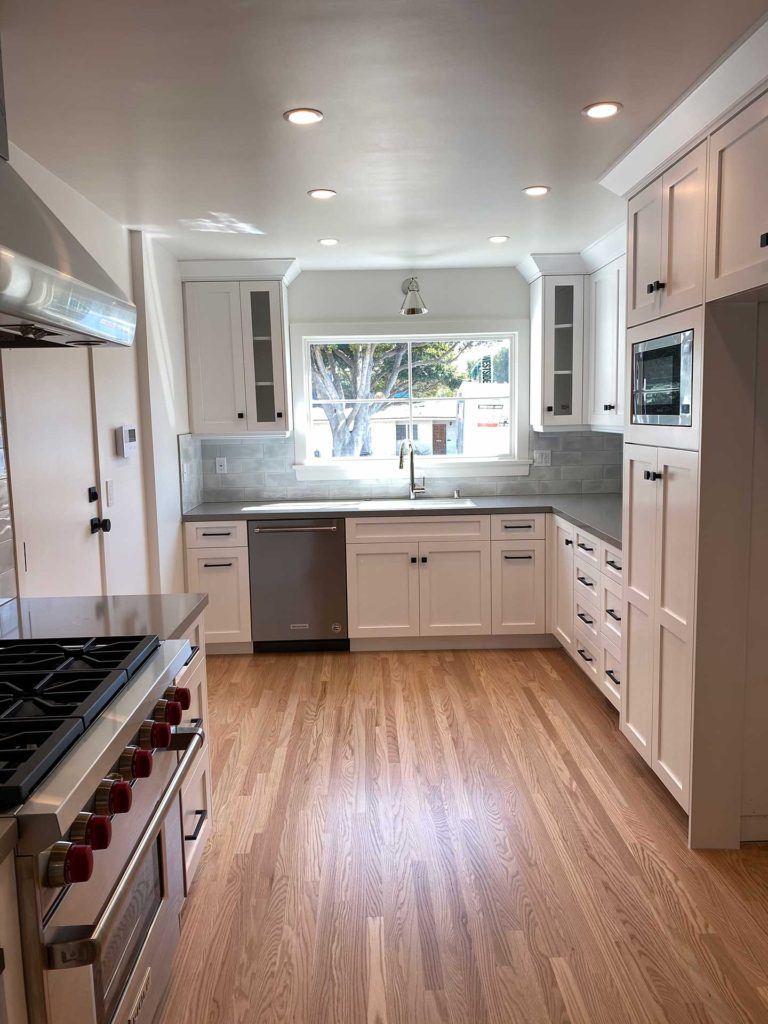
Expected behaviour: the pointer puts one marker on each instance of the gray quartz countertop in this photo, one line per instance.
(165, 615)
(600, 514)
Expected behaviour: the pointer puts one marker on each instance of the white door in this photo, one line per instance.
(263, 354)
(455, 588)
(215, 370)
(737, 230)
(52, 463)
(644, 254)
(561, 580)
(683, 201)
(518, 586)
(639, 550)
(222, 574)
(563, 350)
(383, 589)
(606, 344)
(677, 502)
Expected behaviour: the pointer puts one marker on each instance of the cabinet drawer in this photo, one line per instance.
(415, 528)
(196, 818)
(518, 575)
(587, 654)
(610, 673)
(216, 535)
(588, 549)
(610, 610)
(611, 564)
(519, 527)
(586, 583)
(587, 619)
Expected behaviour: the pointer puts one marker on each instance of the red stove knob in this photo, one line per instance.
(68, 863)
(135, 763)
(169, 711)
(154, 735)
(114, 796)
(94, 830)
(182, 694)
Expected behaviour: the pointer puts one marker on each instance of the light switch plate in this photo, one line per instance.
(542, 457)
(221, 464)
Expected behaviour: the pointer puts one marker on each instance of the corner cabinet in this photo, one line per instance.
(557, 352)
(606, 324)
(237, 357)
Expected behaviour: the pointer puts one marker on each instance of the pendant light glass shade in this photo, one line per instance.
(413, 304)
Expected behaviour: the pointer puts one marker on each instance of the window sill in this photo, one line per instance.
(384, 469)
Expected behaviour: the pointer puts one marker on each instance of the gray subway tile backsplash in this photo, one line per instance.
(262, 470)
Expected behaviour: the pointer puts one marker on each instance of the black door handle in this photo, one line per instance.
(608, 408)
(93, 494)
(216, 565)
(105, 525)
(519, 558)
(659, 286)
(201, 818)
(764, 240)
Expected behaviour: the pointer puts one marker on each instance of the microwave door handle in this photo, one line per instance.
(81, 946)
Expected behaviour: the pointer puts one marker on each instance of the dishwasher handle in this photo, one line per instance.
(295, 529)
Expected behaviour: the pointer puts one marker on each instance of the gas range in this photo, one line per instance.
(51, 691)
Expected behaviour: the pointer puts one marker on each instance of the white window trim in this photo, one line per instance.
(361, 469)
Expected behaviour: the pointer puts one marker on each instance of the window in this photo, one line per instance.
(455, 397)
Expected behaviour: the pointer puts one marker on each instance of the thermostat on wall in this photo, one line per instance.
(126, 441)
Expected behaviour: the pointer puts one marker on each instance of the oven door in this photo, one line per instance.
(116, 969)
(662, 380)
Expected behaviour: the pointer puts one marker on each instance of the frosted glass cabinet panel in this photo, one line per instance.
(263, 355)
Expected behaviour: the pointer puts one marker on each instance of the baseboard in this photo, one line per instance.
(298, 646)
(754, 828)
(234, 648)
(454, 643)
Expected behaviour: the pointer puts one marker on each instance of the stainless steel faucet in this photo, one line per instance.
(414, 487)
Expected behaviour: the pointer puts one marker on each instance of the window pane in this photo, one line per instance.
(468, 366)
(474, 427)
(362, 430)
(362, 371)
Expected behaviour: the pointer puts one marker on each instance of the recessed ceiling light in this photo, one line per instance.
(536, 190)
(602, 109)
(303, 115)
(498, 239)
(321, 193)
(328, 241)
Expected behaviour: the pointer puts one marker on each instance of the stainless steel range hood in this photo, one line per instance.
(52, 291)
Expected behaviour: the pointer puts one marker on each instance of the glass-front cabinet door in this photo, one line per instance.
(563, 350)
(263, 356)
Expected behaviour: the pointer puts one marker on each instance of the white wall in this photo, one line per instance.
(367, 295)
(114, 375)
(162, 368)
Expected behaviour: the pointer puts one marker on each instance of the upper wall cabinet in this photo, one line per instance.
(737, 256)
(236, 357)
(557, 352)
(665, 247)
(606, 306)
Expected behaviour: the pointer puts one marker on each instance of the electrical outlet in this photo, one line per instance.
(221, 465)
(542, 458)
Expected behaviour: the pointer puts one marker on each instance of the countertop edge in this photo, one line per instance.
(186, 622)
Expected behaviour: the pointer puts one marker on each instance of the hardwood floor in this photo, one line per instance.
(452, 836)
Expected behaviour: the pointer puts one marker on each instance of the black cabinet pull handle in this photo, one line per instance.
(568, 542)
(518, 558)
(764, 240)
(612, 676)
(414, 559)
(201, 818)
(656, 476)
(612, 613)
(223, 533)
(613, 564)
(648, 475)
(585, 618)
(527, 526)
(583, 654)
(423, 559)
(659, 286)
(584, 547)
(608, 408)
(585, 581)
(216, 565)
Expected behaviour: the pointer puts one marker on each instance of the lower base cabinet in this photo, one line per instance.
(223, 574)
(196, 814)
(455, 588)
(518, 587)
(383, 589)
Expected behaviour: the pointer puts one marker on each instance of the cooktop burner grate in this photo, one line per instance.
(50, 692)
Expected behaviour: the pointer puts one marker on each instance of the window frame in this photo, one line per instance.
(517, 463)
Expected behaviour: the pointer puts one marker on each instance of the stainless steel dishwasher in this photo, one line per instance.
(298, 583)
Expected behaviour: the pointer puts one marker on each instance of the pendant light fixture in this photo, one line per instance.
(413, 304)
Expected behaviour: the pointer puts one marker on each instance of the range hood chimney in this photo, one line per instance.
(52, 291)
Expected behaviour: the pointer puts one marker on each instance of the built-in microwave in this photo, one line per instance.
(662, 380)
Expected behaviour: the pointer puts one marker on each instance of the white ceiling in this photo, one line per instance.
(437, 113)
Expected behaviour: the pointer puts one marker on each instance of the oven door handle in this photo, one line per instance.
(79, 947)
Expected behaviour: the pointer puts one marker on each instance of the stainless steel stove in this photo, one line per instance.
(93, 753)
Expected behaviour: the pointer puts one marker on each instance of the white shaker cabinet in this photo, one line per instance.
(737, 237)
(383, 589)
(557, 352)
(606, 323)
(218, 566)
(660, 531)
(455, 588)
(236, 357)
(518, 581)
(644, 254)
(561, 603)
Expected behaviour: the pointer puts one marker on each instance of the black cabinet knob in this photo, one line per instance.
(764, 240)
(568, 543)
(550, 408)
(93, 494)
(423, 559)
(105, 525)
(608, 408)
(650, 289)
(241, 415)
(659, 286)
(279, 415)
(414, 559)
